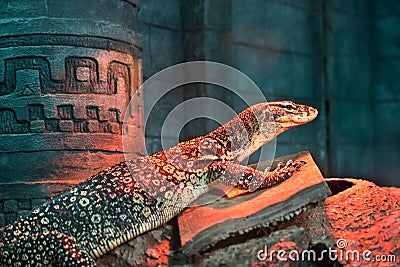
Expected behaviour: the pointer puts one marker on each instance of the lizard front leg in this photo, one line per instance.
(246, 179)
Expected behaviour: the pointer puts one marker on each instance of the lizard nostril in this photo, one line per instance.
(312, 110)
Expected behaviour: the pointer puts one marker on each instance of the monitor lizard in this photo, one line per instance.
(116, 205)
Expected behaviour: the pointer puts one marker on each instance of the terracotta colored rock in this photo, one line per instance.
(366, 216)
(149, 249)
(359, 217)
(260, 251)
(245, 212)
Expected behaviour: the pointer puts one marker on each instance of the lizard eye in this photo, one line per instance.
(289, 107)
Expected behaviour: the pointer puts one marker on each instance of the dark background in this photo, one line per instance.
(342, 57)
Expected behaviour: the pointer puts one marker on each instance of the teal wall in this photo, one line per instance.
(342, 57)
(385, 62)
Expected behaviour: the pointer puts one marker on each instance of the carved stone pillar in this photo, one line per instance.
(68, 70)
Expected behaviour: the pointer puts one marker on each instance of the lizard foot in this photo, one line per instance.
(252, 179)
(282, 172)
(286, 170)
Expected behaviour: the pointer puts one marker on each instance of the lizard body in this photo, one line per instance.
(130, 198)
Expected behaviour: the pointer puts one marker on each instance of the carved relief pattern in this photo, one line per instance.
(81, 76)
(30, 77)
(9, 123)
(98, 120)
(64, 89)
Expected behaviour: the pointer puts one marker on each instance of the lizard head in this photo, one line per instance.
(288, 114)
(276, 117)
(262, 122)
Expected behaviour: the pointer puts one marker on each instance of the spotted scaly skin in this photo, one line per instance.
(123, 201)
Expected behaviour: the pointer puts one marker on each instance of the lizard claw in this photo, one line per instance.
(280, 165)
(299, 163)
(289, 163)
